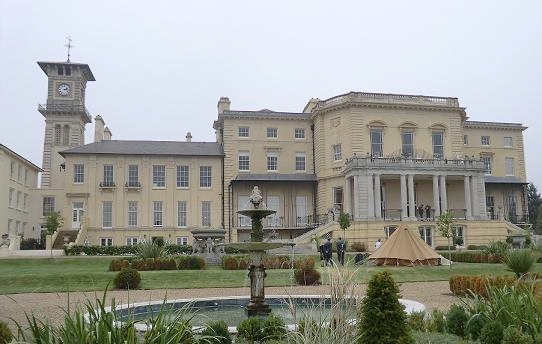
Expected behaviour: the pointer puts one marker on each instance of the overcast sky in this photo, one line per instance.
(161, 66)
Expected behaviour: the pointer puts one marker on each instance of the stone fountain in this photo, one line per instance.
(256, 210)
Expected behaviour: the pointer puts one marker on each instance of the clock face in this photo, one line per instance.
(63, 89)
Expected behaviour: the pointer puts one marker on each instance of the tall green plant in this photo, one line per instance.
(382, 318)
(445, 222)
(344, 222)
(150, 250)
(53, 221)
(520, 261)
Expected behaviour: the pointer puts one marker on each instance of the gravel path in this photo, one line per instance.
(52, 306)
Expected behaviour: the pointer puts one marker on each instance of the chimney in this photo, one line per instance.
(188, 137)
(99, 125)
(107, 134)
(223, 104)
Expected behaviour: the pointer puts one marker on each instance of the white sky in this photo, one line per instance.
(161, 66)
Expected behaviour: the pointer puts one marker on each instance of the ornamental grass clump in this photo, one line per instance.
(520, 261)
(150, 250)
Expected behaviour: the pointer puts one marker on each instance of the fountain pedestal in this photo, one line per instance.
(256, 273)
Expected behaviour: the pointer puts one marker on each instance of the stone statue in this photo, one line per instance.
(256, 197)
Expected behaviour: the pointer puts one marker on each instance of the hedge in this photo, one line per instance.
(241, 262)
(76, 250)
(167, 263)
(476, 257)
(463, 285)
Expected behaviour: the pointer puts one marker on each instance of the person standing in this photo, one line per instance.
(341, 248)
(378, 243)
(327, 252)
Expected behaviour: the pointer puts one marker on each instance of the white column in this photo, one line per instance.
(403, 197)
(370, 197)
(355, 210)
(378, 200)
(348, 196)
(468, 204)
(436, 196)
(443, 194)
(411, 205)
(475, 198)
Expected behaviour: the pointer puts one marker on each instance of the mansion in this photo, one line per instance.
(385, 159)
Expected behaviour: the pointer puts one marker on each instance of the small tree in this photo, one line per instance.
(382, 317)
(344, 222)
(52, 223)
(445, 222)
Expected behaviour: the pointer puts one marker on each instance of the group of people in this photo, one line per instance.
(422, 210)
(326, 252)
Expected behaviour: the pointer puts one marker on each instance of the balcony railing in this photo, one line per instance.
(301, 222)
(65, 106)
(107, 185)
(362, 97)
(406, 163)
(132, 185)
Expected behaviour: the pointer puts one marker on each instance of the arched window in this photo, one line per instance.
(66, 135)
(58, 133)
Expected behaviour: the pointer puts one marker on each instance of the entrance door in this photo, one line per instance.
(77, 214)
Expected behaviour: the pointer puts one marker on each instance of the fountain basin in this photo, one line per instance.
(231, 309)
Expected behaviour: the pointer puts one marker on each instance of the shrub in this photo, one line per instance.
(416, 321)
(496, 251)
(476, 247)
(514, 335)
(461, 285)
(474, 326)
(149, 250)
(307, 276)
(274, 328)
(491, 333)
(251, 329)
(230, 263)
(520, 261)
(456, 320)
(358, 247)
(190, 263)
(178, 249)
(32, 244)
(436, 321)
(159, 241)
(5, 333)
(118, 264)
(217, 333)
(128, 278)
(382, 319)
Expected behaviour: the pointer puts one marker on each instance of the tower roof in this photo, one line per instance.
(84, 67)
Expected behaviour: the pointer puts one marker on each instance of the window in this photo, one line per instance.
(272, 133)
(10, 199)
(58, 134)
(205, 176)
(300, 162)
(243, 132)
(465, 139)
(78, 173)
(206, 213)
(108, 176)
(106, 241)
(60, 70)
(377, 139)
(337, 152)
(182, 240)
(407, 137)
(272, 162)
(484, 140)
(25, 176)
(437, 138)
(133, 176)
(508, 141)
(25, 202)
(509, 166)
(182, 176)
(132, 241)
(487, 164)
(68, 70)
(66, 135)
(10, 226)
(388, 230)
(20, 173)
(48, 205)
(426, 232)
(19, 199)
(132, 213)
(299, 133)
(181, 214)
(12, 173)
(458, 235)
(338, 199)
(157, 214)
(107, 214)
(244, 161)
(159, 176)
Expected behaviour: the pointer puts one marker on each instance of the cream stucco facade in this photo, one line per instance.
(379, 157)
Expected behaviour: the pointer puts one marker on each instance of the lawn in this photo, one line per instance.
(91, 274)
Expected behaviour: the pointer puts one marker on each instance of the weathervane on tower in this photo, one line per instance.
(69, 46)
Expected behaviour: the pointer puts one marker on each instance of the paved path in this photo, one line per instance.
(51, 306)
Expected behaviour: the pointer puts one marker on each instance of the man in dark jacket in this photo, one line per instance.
(341, 247)
(327, 251)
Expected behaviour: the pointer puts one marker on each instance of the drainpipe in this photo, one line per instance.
(315, 183)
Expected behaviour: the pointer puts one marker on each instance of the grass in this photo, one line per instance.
(69, 274)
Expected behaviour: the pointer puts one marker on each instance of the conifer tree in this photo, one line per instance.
(382, 318)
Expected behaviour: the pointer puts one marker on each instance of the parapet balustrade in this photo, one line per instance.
(390, 99)
(449, 164)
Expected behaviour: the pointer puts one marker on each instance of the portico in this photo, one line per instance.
(412, 189)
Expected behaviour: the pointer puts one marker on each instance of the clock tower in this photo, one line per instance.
(65, 115)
